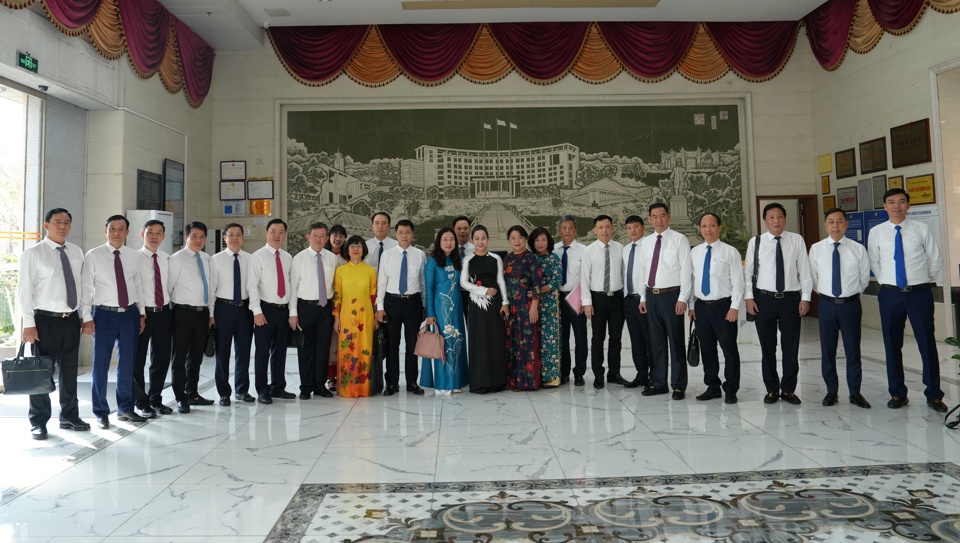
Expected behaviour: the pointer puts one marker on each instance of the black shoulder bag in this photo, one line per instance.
(756, 263)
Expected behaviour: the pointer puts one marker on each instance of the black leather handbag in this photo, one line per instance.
(28, 374)
(693, 346)
(380, 343)
(210, 346)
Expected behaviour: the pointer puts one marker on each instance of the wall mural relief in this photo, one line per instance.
(517, 165)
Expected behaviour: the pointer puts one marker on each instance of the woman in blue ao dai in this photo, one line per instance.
(444, 309)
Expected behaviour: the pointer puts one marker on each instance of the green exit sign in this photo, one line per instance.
(25, 61)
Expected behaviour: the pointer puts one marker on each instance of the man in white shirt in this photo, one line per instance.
(717, 292)
(158, 328)
(601, 277)
(665, 263)
(638, 324)
(109, 295)
(193, 284)
(906, 259)
(269, 284)
(778, 300)
(840, 269)
(461, 228)
(49, 287)
(232, 315)
(571, 252)
(311, 306)
(400, 291)
(380, 242)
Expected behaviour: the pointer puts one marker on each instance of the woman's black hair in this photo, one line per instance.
(537, 232)
(439, 256)
(354, 240)
(335, 229)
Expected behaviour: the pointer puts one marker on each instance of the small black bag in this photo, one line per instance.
(756, 272)
(28, 374)
(693, 347)
(376, 362)
(210, 347)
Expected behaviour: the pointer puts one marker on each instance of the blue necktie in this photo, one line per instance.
(403, 274)
(705, 281)
(899, 260)
(563, 264)
(633, 253)
(837, 288)
(380, 254)
(236, 279)
(203, 277)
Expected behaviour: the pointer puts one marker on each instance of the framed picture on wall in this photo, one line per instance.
(825, 184)
(879, 187)
(233, 170)
(921, 189)
(846, 163)
(233, 190)
(865, 193)
(260, 189)
(824, 163)
(873, 155)
(910, 143)
(829, 202)
(847, 199)
(895, 182)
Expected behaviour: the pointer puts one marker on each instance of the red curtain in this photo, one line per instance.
(316, 53)
(827, 30)
(756, 50)
(651, 50)
(541, 51)
(146, 27)
(429, 52)
(73, 14)
(896, 14)
(196, 60)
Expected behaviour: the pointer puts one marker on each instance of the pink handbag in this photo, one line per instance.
(430, 344)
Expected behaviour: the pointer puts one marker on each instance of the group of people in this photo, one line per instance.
(504, 322)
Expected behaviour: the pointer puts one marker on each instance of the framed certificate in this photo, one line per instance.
(879, 188)
(846, 163)
(260, 189)
(233, 170)
(824, 184)
(921, 189)
(873, 155)
(233, 190)
(910, 143)
(847, 199)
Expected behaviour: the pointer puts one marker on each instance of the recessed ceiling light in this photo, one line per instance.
(277, 12)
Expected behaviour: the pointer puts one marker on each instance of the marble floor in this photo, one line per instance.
(409, 468)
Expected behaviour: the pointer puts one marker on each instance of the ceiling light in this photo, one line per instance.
(277, 12)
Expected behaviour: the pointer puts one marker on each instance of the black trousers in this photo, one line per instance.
(607, 315)
(317, 325)
(836, 320)
(59, 339)
(570, 319)
(638, 326)
(189, 339)
(782, 313)
(895, 308)
(234, 329)
(406, 313)
(271, 342)
(157, 335)
(713, 329)
(667, 341)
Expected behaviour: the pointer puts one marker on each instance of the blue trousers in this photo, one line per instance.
(895, 308)
(120, 330)
(836, 320)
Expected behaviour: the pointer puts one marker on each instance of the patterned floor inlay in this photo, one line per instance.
(916, 502)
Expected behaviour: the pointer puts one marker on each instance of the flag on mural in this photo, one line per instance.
(487, 126)
(501, 123)
(513, 126)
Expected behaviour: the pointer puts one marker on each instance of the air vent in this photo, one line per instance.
(277, 12)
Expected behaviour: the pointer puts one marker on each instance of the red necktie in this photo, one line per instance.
(122, 297)
(157, 283)
(281, 285)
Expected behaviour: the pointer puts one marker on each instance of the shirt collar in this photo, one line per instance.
(52, 244)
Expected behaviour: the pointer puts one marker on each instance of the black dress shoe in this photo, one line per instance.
(415, 389)
(283, 395)
(183, 407)
(76, 425)
(637, 383)
(829, 400)
(265, 399)
(323, 392)
(199, 400)
(564, 380)
(304, 396)
(332, 384)
(578, 381)
(146, 412)
(651, 391)
(897, 402)
(859, 401)
(391, 390)
(790, 398)
(678, 394)
(730, 398)
(245, 397)
(771, 398)
(618, 380)
(103, 423)
(598, 384)
(225, 401)
(130, 417)
(937, 405)
(709, 394)
(161, 409)
(38, 432)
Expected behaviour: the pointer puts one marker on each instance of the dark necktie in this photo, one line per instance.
(321, 282)
(705, 280)
(837, 287)
(652, 280)
(563, 265)
(69, 279)
(899, 260)
(236, 280)
(203, 278)
(403, 274)
(463, 253)
(781, 276)
(157, 283)
(606, 268)
(380, 254)
(122, 299)
(281, 284)
(633, 253)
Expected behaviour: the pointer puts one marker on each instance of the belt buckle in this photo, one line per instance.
(655, 290)
(121, 310)
(778, 294)
(66, 314)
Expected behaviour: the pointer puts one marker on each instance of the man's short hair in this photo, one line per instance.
(894, 192)
(275, 221)
(657, 205)
(155, 222)
(384, 213)
(232, 225)
(56, 211)
(710, 214)
(833, 210)
(773, 205)
(460, 218)
(195, 224)
(112, 218)
(317, 226)
(404, 222)
(599, 218)
(633, 219)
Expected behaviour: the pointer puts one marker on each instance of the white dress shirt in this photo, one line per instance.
(223, 263)
(262, 278)
(98, 285)
(726, 273)
(479, 290)
(854, 267)
(303, 276)
(592, 268)
(147, 279)
(920, 250)
(373, 250)
(575, 255)
(796, 265)
(388, 276)
(468, 249)
(186, 284)
(42, 284)
(674, 268)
